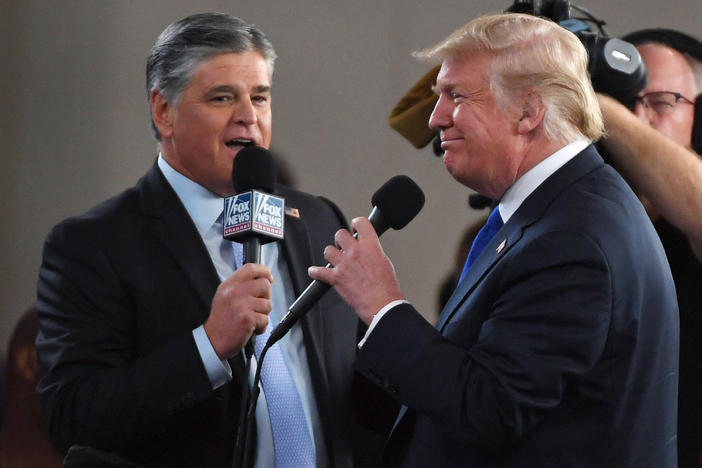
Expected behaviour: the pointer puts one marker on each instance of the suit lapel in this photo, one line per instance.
(529, 212)
(174, 228)
(505, 238)
(298, 254)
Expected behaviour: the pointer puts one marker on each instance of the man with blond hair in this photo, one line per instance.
(559, 346)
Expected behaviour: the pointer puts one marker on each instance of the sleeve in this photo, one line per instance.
(98, 388)
(543, 326)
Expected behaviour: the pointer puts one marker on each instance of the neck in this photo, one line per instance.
(535, 151)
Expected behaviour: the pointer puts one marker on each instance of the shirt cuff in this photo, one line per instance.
(376, 318)
(218, 370)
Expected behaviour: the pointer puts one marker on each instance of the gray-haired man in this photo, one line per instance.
(143, 311)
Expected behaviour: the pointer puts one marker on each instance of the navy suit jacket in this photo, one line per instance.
(558, 349)
(120, 290)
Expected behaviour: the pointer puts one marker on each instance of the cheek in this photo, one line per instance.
(199, 124)
(670, 127)
(265, 127)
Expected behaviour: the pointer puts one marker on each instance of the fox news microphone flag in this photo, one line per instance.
(253, 216)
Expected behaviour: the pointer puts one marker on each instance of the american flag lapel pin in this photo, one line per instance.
(501, 246)
(292, 212)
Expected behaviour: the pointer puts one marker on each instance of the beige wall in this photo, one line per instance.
(74, 122)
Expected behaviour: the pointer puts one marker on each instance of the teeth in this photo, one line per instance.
(240, 141)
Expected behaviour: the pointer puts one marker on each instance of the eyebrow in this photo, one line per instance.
(231, 89)
(447, 87)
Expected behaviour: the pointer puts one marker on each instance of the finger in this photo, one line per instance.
(343, 239)
(364, 228)
(321, 274)
(253, 270)
(332, 254)
(260, 287)
(260, 323)
(261, 305)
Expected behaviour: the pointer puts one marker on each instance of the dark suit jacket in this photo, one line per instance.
(120, 290)
(559, 349)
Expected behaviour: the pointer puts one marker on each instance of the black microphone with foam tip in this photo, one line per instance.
(253, 217)
(395, 204)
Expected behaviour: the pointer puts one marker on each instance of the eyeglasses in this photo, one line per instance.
(662, 102)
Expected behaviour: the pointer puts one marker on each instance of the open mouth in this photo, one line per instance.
(240, 143)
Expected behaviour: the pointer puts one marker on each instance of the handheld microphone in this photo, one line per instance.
(253, 216)
(395, 204)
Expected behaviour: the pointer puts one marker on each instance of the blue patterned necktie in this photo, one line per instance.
(238, 252)
(292, 440)
(494, 223)
(229, 257)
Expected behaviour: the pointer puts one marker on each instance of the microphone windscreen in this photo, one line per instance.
(253, 169)
(399, 199)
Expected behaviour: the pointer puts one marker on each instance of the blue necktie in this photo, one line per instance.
(292, 440)
(238, 251)
(494, 223)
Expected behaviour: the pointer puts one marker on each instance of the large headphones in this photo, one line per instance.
(682, 43)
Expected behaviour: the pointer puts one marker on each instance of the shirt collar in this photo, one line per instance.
(203, 206)
(530, 180)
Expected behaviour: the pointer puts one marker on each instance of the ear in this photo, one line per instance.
(533, 112)
(161, 114)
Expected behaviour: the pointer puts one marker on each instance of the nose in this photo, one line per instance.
(441, 115)
(244, 112)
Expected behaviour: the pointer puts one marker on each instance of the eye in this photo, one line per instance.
(662, 105)
(260, 99)
(662, 102)
(455, 96)
(224, 98)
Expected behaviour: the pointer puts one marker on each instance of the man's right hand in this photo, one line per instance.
(240, 308)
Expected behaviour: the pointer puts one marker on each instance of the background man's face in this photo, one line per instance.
(226, 106)
(668, 71)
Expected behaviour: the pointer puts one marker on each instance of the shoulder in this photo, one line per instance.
(118, 214)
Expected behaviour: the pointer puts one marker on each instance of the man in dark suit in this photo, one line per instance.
(559, 345)
(144, 310)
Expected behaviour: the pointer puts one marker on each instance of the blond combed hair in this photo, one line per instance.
(532, 55)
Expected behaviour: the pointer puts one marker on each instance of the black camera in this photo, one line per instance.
(615, 66)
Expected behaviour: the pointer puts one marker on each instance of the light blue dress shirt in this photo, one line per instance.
(204, 207)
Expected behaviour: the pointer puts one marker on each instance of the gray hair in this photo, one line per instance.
(532, 54)
(185, 44)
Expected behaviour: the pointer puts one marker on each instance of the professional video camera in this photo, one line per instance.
(615, 66)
